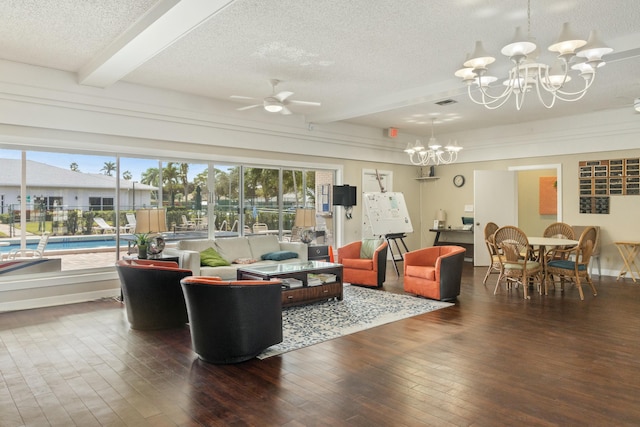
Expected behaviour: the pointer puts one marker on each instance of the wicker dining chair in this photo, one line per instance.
(518, 265)
(558, 230)
(495, 266)
(574, 264)
(595, 255)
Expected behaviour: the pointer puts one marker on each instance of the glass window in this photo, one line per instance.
(87, 203)
(226, 199)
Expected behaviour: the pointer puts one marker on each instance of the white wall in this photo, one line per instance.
(46, 109)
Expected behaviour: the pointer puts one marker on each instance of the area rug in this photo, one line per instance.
(360, 309)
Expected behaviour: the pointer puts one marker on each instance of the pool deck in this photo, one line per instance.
(81, 261)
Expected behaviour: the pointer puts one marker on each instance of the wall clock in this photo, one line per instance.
(458, 180)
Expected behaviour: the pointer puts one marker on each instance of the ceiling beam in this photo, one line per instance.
(159, 28)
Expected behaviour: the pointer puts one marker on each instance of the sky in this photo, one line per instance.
(94, 164)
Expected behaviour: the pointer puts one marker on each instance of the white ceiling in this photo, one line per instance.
(381, 63)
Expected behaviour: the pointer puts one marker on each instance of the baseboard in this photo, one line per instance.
(51, 301)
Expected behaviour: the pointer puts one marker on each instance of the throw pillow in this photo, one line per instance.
(368, 247)
(244, 261)
(211, 258)
(279, 255)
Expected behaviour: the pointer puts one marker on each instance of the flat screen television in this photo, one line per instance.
(344, 195)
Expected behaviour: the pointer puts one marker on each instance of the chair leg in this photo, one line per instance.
(497, 284)
(593, 288)
(579, 288)
(486, 276)
(525, 287)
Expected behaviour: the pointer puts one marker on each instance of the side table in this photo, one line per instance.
(318, 253)
(628, 252)
(160, 258)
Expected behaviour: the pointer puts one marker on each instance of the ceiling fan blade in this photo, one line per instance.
(316, 104)
(282, 95)
(241, 97)
(248, 107)
(285, 111)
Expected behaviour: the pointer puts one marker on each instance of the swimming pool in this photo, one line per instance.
(68, 243)
(98, 241)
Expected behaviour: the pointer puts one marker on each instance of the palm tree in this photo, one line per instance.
(183, 171)
(170, 176)
(108, 168)
(150, 177)
(74, 167)
(127, 175)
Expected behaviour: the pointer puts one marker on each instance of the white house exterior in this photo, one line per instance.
(54, 186)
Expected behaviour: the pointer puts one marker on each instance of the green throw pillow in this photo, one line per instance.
(211, 258)
(369, 246)
(279, 255)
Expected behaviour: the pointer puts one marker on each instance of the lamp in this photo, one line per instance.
(435, 154)
(306, 221)
(152, 221)
(527, 74)
(272, 105)
(441, 219)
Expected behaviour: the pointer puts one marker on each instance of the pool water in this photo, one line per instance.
(68, 244)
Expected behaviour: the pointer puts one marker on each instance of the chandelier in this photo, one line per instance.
(527, 74)
(436, 154)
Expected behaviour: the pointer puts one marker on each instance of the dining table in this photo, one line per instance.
(549, 242)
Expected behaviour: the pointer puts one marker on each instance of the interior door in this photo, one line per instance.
(495, 196)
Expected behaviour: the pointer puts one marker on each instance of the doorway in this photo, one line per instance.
(503, 207)
(533, 215)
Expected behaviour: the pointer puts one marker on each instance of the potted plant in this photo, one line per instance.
(142, 241)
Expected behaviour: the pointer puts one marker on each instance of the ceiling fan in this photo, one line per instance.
(276, 102)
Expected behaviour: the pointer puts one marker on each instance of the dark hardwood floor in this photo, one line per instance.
(487, 361)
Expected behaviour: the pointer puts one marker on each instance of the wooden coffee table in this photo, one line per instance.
(304, 293)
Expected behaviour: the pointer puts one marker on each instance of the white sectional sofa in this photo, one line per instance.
(233, 249)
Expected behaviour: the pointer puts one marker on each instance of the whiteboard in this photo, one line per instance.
(386, 213)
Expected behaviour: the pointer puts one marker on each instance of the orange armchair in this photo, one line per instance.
(434, 272)
(363, 271)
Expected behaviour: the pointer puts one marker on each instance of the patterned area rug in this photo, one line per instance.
(360, 309)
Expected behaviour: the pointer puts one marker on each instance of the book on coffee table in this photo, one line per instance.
(292, 283)
(320, 278)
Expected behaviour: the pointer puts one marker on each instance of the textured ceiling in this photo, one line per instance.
(381, 63)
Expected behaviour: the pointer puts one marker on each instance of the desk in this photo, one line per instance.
(628, 252)
(543, 243)
(452, 235)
